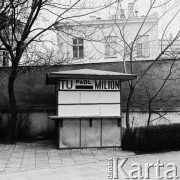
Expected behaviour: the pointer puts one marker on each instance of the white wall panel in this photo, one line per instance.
(68, 97)
(110, 97)
(81, 103)
(77, 97)
(68, 110)
(90, 97)
(90, 110)
(110, 110)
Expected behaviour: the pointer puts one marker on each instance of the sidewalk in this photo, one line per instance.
(41, 160)
(25, 158)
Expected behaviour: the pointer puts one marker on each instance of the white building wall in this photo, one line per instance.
(172, 51)
(94, 32)
(140, 118)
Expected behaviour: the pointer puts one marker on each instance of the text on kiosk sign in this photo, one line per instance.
(86, 84)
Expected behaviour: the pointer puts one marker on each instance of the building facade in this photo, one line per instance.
(105, 40)
(173, 51)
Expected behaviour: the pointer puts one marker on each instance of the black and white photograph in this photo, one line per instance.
(89, 89)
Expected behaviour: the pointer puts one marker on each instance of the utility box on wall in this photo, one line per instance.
(88, 107)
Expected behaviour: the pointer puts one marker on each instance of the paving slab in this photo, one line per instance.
(41, 160)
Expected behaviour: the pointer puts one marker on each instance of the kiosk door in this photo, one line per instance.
(69, 133)
(111, 132)
(91, 132)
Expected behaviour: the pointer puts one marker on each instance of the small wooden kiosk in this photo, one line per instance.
(88, 107)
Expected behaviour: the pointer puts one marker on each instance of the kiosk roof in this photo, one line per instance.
(88, 74)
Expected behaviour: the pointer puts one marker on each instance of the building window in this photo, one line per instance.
(4, 58)
(142, 46)
(78, 48)
(110, 46)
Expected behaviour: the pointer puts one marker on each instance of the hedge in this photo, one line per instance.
(152, 138)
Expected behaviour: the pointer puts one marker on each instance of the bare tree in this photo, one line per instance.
(119, 39)
(130, 50)
(24, 27)
(155, 93)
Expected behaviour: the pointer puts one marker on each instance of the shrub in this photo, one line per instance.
(152, 138)
(3, 127)
(23, 126)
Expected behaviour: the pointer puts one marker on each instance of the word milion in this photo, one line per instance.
(107, 84)
(117, 170)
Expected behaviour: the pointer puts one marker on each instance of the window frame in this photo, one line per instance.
(79, 46)
(144, 50)
(110, 46)
(4, 58)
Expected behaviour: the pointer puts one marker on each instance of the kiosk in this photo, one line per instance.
(88, 107)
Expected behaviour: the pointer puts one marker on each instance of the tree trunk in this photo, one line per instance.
(128, 106)
(10, 136)
(149, 117)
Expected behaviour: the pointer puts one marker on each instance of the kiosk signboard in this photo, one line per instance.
(88, 97)
(86, 84)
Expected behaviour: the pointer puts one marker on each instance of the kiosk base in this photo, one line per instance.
(88, 132)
